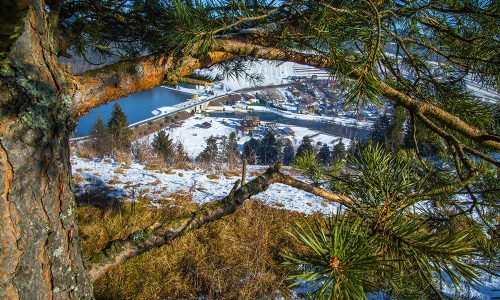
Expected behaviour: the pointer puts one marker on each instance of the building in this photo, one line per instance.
(251, 101)
(206, 125)
(287, 131)
(250, 123)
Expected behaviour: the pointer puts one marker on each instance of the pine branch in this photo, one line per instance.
(387, 91)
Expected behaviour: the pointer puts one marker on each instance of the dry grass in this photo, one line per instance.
(229, 173)
(144, 154)
(123, 157)
(114, 180)
(77, 178)
(85, 150)
(213, 176)
(234, 258)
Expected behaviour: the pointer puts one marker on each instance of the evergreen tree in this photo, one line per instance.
(211, 151)
(381, 129)
(164, 146)
(395, 134)
(324, 155)
(305, 146)
(101, 138)
(232, 152)
(269, 149)
(180, 153)
(250, 150)
(389, 131)
(223, 146)
(339, 151)
(427, 142)
(288, 155)
(118, 127)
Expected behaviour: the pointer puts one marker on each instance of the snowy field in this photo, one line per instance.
(193, 136)
(133, 181)
(271, 73)
(126, 182)
(344, 121)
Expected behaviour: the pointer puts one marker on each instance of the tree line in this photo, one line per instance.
(270, 150)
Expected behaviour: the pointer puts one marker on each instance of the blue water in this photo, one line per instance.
(139, 106)
(136, 106)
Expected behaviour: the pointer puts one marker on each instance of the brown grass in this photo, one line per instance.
(85, 150)
(212, 176)
(77, 178)
(114, 180)
(234, 258)
(123, 157)
(229, 173)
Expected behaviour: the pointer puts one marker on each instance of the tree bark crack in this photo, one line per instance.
(10, 241)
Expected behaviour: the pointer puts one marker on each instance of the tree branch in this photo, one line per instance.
(97, 87)
(420, 108)
(119, 251)
(123, 78)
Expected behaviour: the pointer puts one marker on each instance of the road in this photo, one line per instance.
(176, 109)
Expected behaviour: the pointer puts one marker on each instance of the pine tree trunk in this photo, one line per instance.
(40, 252)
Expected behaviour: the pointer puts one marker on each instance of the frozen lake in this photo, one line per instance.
(137, 107)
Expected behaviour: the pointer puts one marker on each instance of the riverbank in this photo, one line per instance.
(150, 109)
(193, 136)
(344, 121)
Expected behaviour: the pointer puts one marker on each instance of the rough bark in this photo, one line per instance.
(11, 21)
(119, 251)
(120, 79)
(40, 251)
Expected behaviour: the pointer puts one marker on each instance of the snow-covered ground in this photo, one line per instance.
(485, 94)
(133, 181)
(272, 73)
(194, 137)
(345, 121)
(129, 182)
(487, 288)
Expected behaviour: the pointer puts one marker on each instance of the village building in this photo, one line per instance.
(251, 101)
(206, 125)
(287, 131)
(250, 123)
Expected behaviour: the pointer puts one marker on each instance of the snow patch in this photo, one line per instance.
(129, 182)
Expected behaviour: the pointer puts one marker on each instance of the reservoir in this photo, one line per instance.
(137, 107)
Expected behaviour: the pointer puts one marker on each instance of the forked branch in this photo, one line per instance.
(119, 251)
